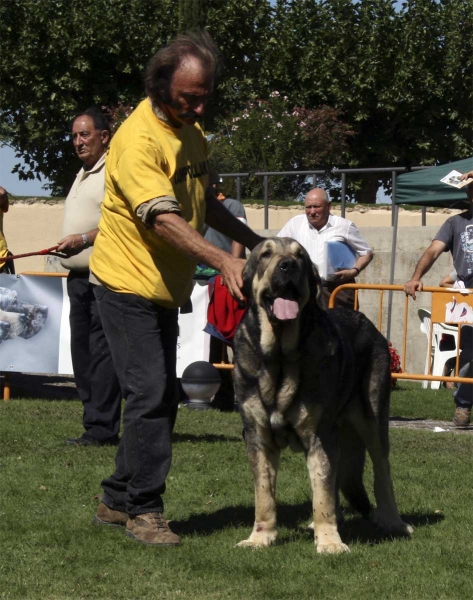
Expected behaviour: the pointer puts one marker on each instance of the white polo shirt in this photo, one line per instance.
(336, 229)
(82, 210)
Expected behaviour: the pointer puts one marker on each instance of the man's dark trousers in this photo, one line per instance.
(95, 377)
(464, 394)
(143, 339)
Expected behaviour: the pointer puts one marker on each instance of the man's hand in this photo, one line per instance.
(345, 274)
(71, 245)
(412, 286)
(231, 272)
(425, 262)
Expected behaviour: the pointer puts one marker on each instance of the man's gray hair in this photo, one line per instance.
(167, 60)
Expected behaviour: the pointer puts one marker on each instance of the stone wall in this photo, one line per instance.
(35, 224)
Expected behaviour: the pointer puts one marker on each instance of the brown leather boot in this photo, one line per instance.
(151, 528)
(108, 516)
(462, 417)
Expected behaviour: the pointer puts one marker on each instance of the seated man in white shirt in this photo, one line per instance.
(317, 227)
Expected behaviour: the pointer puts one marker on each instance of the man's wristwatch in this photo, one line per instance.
(85, 241)
(357, 270)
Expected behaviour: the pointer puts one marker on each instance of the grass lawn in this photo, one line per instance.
(50, 550)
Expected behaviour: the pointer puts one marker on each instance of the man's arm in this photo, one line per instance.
(447, 281)
(425, 263)
(180, 235)
(74, 244)
(361, 248)
(361, 263)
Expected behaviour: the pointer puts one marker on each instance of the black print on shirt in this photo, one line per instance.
(193, 171)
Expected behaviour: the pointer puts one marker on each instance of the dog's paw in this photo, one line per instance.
(334, 548)
(259, 540)
(393, 526)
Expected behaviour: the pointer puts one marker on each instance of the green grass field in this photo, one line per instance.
(50, 550)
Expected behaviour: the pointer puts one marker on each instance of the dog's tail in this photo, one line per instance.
(350, 469)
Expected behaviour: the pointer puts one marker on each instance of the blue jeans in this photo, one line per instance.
(143, 341)
(464, 394)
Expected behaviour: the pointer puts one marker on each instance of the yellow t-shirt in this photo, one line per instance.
(3, 243)
(147, 159)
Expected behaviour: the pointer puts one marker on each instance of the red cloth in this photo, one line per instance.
(223, 313)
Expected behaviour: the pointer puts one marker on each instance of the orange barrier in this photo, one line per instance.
(438, 309)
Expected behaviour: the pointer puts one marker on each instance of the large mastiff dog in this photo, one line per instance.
(318, 381)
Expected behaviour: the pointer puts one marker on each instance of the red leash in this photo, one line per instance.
(49, 251)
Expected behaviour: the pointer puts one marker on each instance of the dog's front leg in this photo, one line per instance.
(264, 461)
(321, 464)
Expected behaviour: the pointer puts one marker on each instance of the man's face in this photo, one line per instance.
(189, 92)
(89, 143)
(317, 210)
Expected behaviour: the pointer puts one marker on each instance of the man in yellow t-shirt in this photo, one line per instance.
(143, 261)
(4, 267)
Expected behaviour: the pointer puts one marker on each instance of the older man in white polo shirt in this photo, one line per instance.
(319, 226)
(94, 373)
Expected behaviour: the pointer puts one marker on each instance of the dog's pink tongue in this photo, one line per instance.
(285, 310)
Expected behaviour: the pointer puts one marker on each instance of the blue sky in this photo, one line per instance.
(11, 182)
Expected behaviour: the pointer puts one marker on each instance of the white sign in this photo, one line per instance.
(34, 326)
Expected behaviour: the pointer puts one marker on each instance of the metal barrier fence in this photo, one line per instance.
(437, 316)
(438, 310)
(314, 173)
(438, 294)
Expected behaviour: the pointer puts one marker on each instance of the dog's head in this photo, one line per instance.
(36, 316)
(280, 278)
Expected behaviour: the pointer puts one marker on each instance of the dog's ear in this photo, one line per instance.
(315, 282)
(249, 271)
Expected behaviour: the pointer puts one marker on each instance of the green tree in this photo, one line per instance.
(402, 80)
(192, 14)
(272, 135)
(60, 57)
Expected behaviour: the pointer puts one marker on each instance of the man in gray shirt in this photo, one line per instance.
(456, 236)
(236, 208)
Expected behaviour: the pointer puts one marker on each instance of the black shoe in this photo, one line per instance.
(88, 441)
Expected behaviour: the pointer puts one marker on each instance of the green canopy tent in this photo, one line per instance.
(424, 188)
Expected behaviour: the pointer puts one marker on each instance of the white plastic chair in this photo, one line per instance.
(435, 357)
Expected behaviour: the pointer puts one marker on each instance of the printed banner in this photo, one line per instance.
(34, 324)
